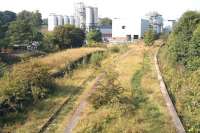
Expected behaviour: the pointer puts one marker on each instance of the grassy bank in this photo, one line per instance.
(139, 108)
(184, 89)
(31, 118)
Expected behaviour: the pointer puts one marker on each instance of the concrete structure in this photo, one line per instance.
(84, 17)
(66, 19)
(156, 21)
(80, 15)
(106, 32)
(72, 20)
(52, 22)
(91, 18)
(60, 20)
(127, 29)
(144, 26)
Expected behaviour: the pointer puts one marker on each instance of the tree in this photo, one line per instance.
(94, 36)
(68, 36)
(20, 32)
(25, 29)
(149, 37)
(184, 40)
(193, 59)
(33, 18)
(105, 21)
(5, 18)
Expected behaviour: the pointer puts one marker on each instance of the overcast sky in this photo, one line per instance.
(170, 9)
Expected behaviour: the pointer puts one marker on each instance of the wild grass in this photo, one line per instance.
(60, 60)
(140, 111)
(33, 117)
(3, 68)
(184, 89)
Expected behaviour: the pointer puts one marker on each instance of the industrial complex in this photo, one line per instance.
(85, 17)
(121, 30)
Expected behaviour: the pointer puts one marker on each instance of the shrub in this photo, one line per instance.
(96, 58)
(94, 36)
(25, 84)
(149, 37)
(184, 42)
(108, 90)
(115, 49)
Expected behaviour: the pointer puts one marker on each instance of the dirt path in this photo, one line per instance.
(77, 114)
(83, 104)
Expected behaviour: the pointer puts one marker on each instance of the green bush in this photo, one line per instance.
(96, 58)
(184, 42)
(94, 36)
(115, 49)
(108, 90)
(25, 84)
(149, 37)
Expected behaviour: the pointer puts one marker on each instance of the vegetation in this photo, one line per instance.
(5, 18)
(25, 84)
(59, 61)
(94, 36)
(23, 88)
(179, 61)
(25, 29)
(105, 21)
(136, 107)
(184, 41)
(68, 37)
(149, 37)
(108, 90)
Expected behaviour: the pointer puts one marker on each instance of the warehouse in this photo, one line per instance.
(126, 29)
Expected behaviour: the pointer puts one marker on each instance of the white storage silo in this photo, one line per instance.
(80, 14)
(66, 19)
(72, 20)
(60, 20)
(52, 22)
(95, 10)
(89, 17)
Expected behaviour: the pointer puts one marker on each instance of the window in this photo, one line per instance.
(123, 27)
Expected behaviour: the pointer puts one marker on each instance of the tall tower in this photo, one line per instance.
(52, 22)
(156, 21)
(80, 15)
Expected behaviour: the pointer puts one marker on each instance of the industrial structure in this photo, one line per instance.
(84, 17)
(130, 29)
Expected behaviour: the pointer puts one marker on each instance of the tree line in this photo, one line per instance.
(25, 27)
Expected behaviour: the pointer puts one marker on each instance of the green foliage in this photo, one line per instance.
(33, 18)
(68, 36)
(97, 57)
(108, 90)
(19, 32)
(48, 43)
(94, 36)
(149, 37)
(5, 18)
(184, 87)
(184, 42)
(25, 84)
(25, 29)
(105, 21)
(115, 49)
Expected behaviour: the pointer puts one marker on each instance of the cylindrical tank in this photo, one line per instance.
(72, 20)
(95, 10)
(66, 19)
(52, 22)
(89, 16)
(60, 20)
